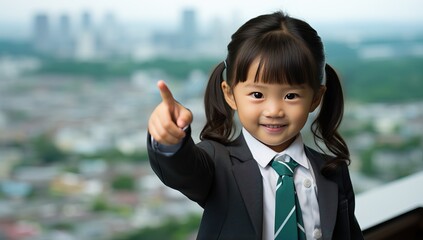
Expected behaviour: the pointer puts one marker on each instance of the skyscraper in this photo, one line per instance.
(188, 33)
(41, 32)
(86, 20)
(64, 25)
(85, 43)
(64, 37)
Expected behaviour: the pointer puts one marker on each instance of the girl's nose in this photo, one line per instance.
(274, 110)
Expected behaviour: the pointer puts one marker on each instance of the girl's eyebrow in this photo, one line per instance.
(265, 85)
(256, 85)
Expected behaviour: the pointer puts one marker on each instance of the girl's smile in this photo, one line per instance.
(272, 128)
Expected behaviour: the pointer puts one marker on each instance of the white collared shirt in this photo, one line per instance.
(304, 181)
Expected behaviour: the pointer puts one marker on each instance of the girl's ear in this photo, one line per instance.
(229, 96)
(318, 98)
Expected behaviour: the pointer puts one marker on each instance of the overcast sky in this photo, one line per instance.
(169, 10)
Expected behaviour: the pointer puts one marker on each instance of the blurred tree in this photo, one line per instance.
(171, 230)
(100, 205)
(123, 182)
(45, 150)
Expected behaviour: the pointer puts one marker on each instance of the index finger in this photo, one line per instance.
(165, 93)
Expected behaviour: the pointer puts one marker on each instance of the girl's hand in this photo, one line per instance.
(168, 119)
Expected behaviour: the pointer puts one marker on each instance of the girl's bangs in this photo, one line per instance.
(283, 59)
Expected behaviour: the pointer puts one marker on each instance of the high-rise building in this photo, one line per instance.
(64, 37)
(64, 25)
(85, 42)
(86, 20)
(41, 32)
(188, 33)
(109, 34)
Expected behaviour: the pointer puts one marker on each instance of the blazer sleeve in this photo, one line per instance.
(190, 170)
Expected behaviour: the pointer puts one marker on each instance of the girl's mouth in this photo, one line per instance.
(273, 126)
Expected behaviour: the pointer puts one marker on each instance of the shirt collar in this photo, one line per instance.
(263, 154)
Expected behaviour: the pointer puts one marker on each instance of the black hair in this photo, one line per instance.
(290, 51)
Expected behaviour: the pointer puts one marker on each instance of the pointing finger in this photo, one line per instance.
(165, 93)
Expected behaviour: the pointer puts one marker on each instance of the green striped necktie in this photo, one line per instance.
(288, 219)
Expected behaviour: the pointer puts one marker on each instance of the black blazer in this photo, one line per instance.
(226, 182)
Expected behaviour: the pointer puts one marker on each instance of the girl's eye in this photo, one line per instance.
(291, 96)
(257, 95)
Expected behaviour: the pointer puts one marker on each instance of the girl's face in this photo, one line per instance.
(273, 113)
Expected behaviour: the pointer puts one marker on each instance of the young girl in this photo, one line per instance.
(274, 76)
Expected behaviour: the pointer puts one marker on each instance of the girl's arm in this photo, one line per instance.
(190, 169)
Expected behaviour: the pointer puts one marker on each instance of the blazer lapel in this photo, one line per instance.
(327, 195)
(249, 181)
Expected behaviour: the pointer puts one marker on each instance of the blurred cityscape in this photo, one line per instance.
(84, 39)
(75, 97)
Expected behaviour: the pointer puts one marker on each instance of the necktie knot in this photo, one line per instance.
(284, 168)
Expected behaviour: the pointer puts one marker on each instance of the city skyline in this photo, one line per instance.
(21, 11)
(334, 19)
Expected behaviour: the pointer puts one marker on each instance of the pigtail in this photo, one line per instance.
(325, 126)
(219, 115)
